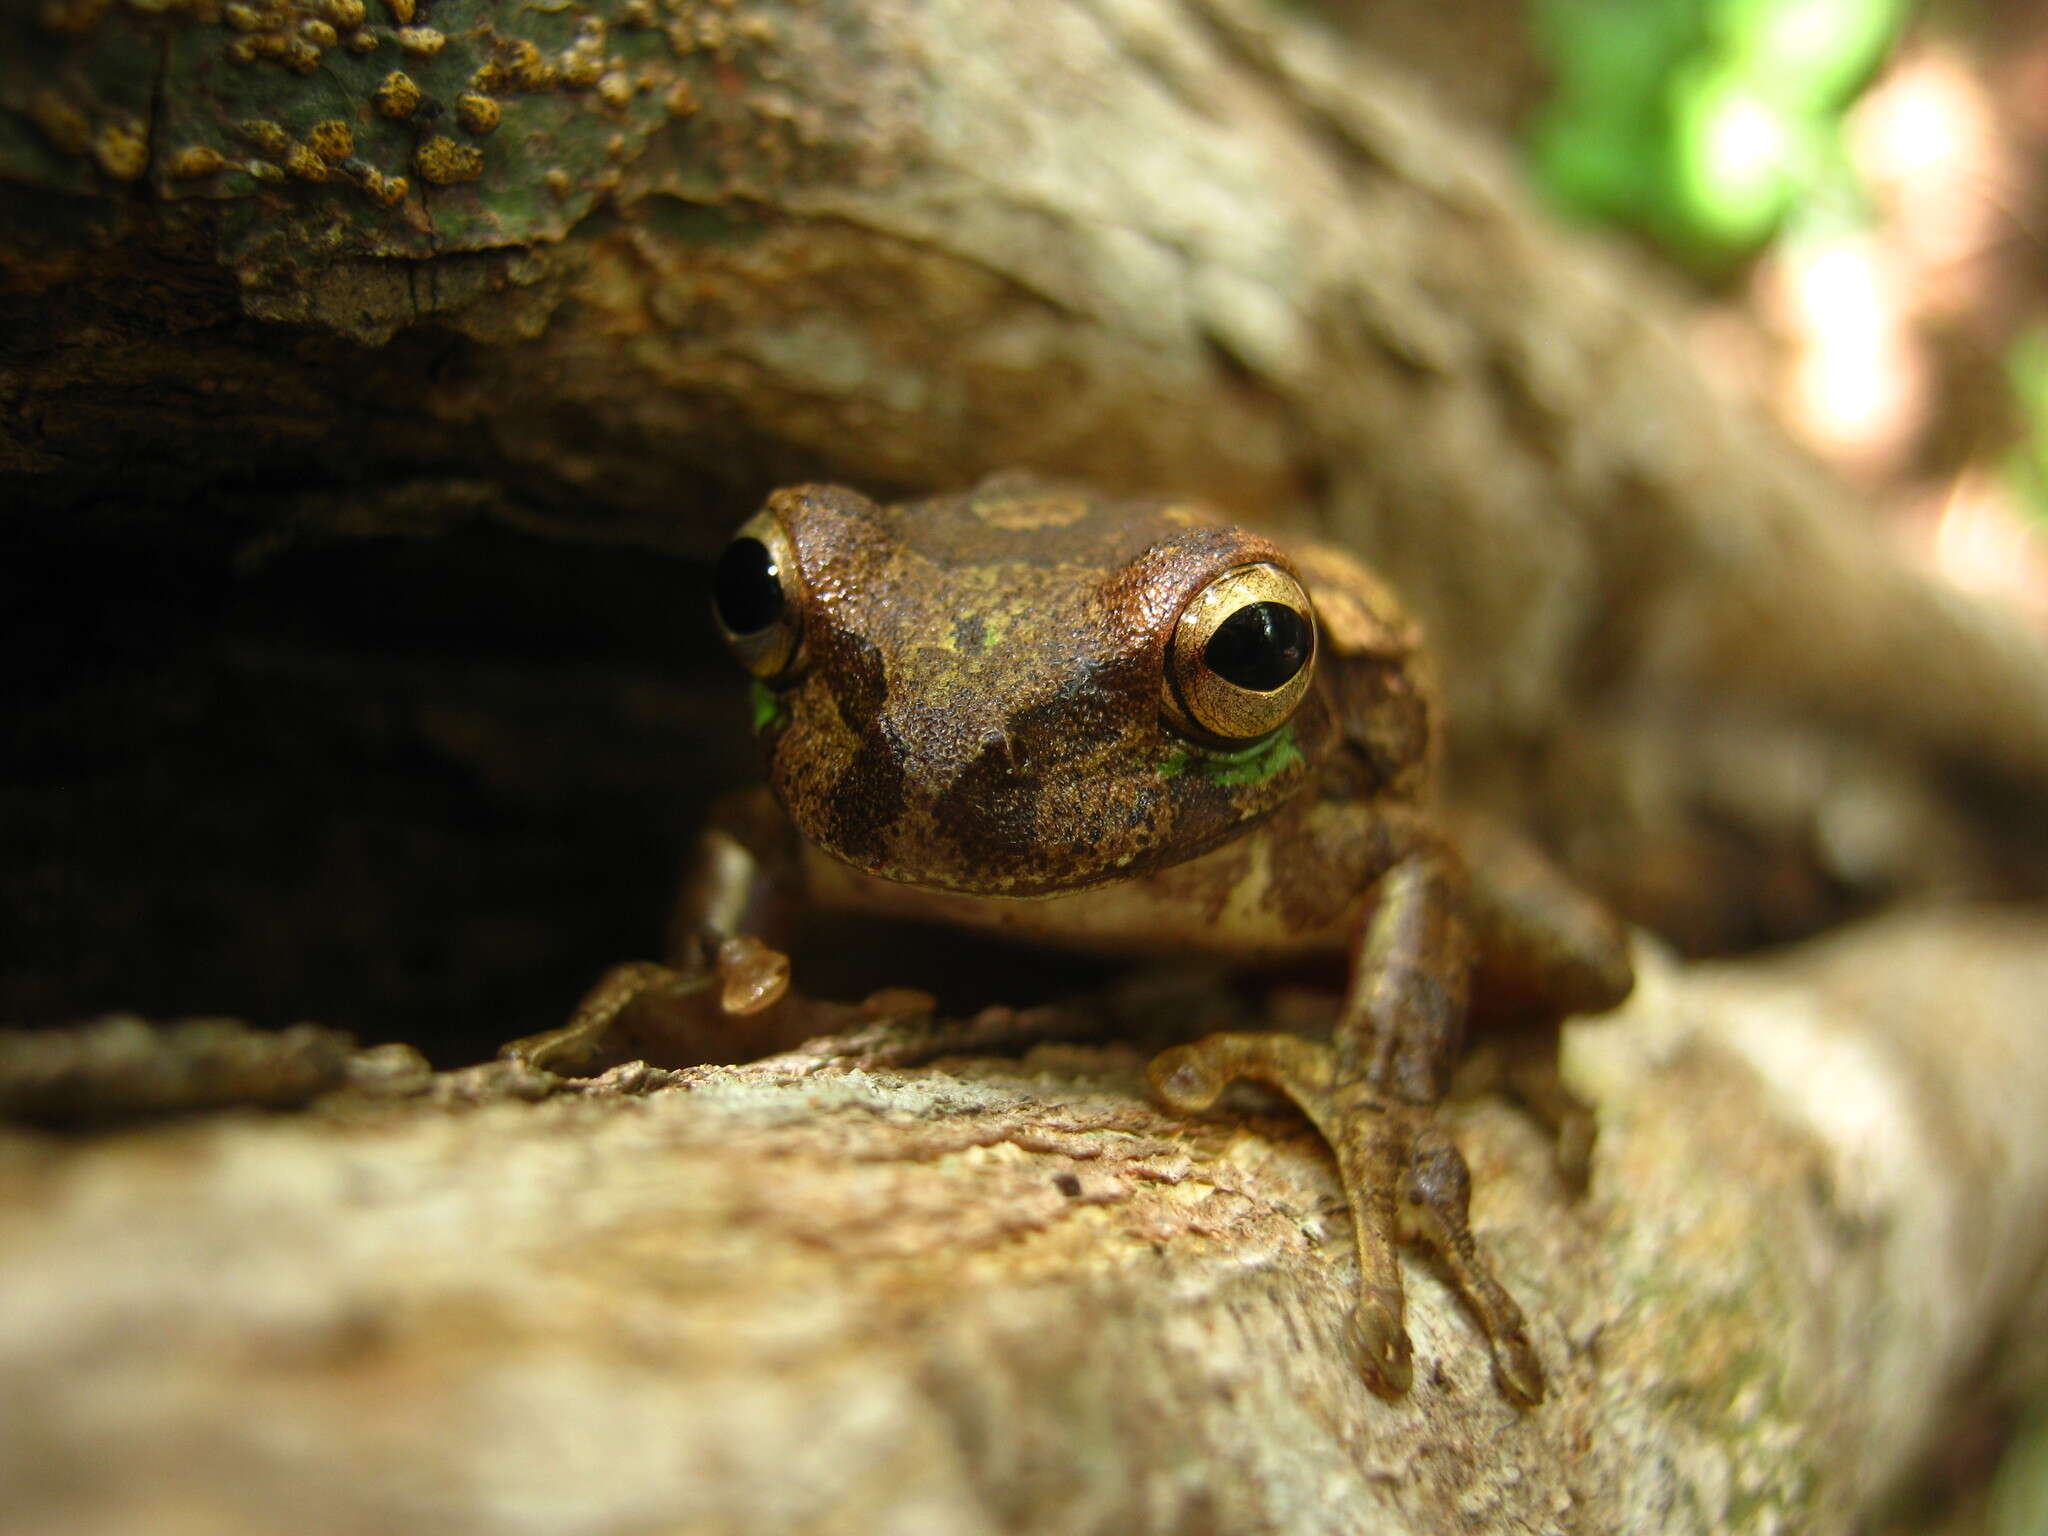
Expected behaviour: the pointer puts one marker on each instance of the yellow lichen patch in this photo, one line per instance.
(681, 100)
(194, 161)
(616, 89)
(318, 33)
(121, 150)
(444, 162)
(401, 11)
(332, 141)
(267, 136)
(423, 42)
(362, 40)
(62, 123)
(306, 165)
(244, 18)
(299, 56)
(477, 114)
(529, 68)
(387, 189)
(582, 67)
(397, 95)
(345, 14)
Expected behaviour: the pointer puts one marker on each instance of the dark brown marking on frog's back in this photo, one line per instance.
(870, 796)
(990, 813)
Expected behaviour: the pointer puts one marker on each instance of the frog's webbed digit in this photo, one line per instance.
(1372, 1092)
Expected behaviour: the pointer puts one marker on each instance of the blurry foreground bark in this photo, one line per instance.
(1013, 1297)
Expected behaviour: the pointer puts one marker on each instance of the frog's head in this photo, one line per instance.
(1021, 690)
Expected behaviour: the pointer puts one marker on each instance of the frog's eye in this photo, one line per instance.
(1242, 655)
(755, 595)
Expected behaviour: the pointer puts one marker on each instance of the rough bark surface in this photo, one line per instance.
(1012, 1296)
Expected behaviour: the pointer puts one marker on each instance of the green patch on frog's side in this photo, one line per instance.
(768, 706)
(1252, 765)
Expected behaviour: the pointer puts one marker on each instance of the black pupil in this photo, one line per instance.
(1260, 647)
(746, 587)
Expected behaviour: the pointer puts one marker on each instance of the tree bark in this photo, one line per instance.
(1166, 245)
(1012, 1296)
(1184, 246)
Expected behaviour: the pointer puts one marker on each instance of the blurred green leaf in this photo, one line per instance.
(1605, 51)
(1703, 122)
(1807, 55)
(1737, 158)
(2026, 368)
(1590, 168)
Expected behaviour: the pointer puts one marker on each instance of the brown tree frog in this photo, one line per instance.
(1125, 725)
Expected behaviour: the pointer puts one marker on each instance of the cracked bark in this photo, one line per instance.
(1012, 1296)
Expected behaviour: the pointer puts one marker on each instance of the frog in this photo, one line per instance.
(1128, 725)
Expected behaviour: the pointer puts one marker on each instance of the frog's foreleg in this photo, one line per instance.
(1370, 1150)
(1371, 1092)
(1396, 1042)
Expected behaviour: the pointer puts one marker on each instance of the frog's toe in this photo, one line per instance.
(1190, 1078)
(751, 975)
(1519, 1371)
(1186, 1079)
(1435, 1193)
(631, 1011)
(1384, 1354)
(1577, 1131)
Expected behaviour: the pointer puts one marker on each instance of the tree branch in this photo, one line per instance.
(1013, 1296)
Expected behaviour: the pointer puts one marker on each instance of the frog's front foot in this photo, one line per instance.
(1404, 1181)
(670, 1016)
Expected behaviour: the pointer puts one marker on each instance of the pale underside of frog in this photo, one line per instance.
(1126, 726)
